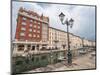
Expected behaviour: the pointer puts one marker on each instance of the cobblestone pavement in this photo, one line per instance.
(86, 61)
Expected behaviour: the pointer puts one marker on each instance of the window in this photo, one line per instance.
(30, 30)
(23, 23)
(23, 28)
(23, 18)
(34, 26)
(34, 35)
(38, 27)
(20, 47)
(22, 34)
(30, 35)
(30, 25)
(33, 47)
(34, 30)
(38, 36)
(34, 21)
(31, 20)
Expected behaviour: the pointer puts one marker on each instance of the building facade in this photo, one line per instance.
(57, 38)
(33, 34)
(75, 41)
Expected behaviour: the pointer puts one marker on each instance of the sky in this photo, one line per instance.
(84, 17)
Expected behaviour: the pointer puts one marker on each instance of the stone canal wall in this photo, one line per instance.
(21, 64)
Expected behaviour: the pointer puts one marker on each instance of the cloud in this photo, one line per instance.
(84, 16)
(85, 22)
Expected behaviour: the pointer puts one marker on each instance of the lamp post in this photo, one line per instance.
(67, 23)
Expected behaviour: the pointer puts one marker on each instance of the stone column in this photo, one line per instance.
(31, 47)
(35, 48)
(25, 47)
(39, 47)
(15, 49)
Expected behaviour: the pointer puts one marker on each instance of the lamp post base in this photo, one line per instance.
(69, 55)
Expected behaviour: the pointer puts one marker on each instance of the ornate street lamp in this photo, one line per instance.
(68, 23)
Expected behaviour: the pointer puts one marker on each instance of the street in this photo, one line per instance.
(86, 61)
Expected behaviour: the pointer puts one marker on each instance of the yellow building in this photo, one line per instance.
(61, 38)
(57, 38)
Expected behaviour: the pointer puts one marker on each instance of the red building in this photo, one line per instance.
(31, 32)
(29, 26)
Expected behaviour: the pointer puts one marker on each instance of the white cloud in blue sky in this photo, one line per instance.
(84, 17)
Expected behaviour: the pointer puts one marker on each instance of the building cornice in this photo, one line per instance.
(34, 18)
(28, 42)
(64, 31)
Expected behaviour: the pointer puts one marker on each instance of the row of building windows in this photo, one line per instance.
(30, 35)
(35, 26)
(23, 29)
(58, 34)
(24, 19)
(23, 23)
(38, 31)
